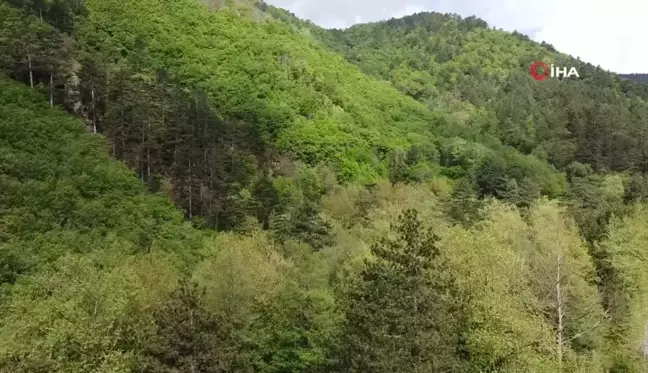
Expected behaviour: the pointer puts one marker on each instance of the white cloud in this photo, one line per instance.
(610, 34)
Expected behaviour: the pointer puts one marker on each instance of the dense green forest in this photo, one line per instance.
(220, 186)
(641, 78)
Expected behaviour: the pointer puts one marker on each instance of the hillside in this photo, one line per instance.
(71, 218)
(94, 268)
(62, 193)
(488, 69)
(284, 96)
(479, 76)
(640, 78)
(219, 186)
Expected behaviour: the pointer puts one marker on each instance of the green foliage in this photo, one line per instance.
(636, 189)
(188, 337)
(399, 314)
(564, 277)
(296, 214)
(301, 98)
(181, 105)
(518, 179)
(464, 206)
(295, 333)
(59, 13)
(596, 199)
(624, 289)
(62, 193)
(82, 314)
(480, 79)
(300, 146)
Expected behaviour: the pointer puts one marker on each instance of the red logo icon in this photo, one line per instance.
(539, 76)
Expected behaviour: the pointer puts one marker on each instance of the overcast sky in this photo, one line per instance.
(612, 34)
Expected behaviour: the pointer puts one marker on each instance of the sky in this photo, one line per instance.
(611, 34)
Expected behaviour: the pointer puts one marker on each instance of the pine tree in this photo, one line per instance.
(463, 206)
(400, 313)
(562, 275)
(397, 167)
(189, 339)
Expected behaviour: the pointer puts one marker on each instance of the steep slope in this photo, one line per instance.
(208, 105)
(310, 102)
(61, 192)
(431, 57)
(587, 127)
(96, 272)
(640, 78)
(240, 120)
(92, 263)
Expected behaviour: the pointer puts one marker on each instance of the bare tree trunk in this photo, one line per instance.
(148, 165)
(211, 181)
(203, 184)
(191, 318)
(417, 358)
(148, 155)
(175, 151)
(94, 116)
(141, 154)
(51, 90)
(645, 346)
(190, 191)
(31, 73)
(122, 129)
(560, 312)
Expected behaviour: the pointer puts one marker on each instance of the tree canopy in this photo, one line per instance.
(219, 186)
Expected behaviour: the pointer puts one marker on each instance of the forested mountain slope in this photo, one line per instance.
(396, 197)
(480, 77)
(641, 78)
(99, 276)
(432, 56)
(178, 90)
(72, 226)
(62, 193)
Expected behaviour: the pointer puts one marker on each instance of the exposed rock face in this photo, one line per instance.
(75, 101)
(645, 345)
